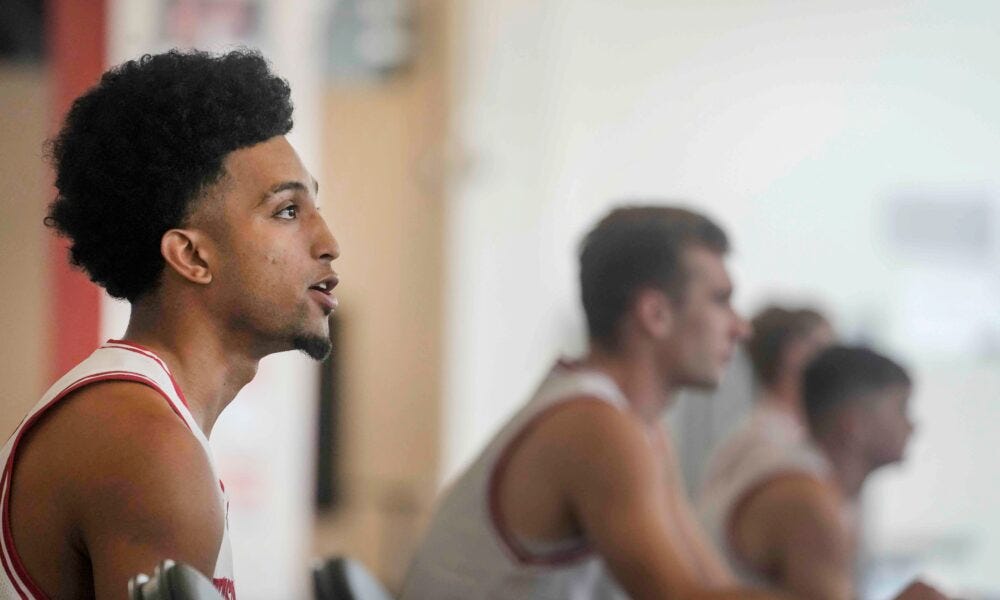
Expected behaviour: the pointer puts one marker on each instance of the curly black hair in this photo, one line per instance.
(137, 150)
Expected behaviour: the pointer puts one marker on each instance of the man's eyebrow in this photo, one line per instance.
(284, 186)
(287, 185)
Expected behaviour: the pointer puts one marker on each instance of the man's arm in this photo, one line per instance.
(146, 490)
(710, 562)
(608, 470)
(792, 527)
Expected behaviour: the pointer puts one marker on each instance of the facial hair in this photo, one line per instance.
(316, 347)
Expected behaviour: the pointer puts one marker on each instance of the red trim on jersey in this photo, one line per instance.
(139, 349)
(569, 364)
(7, 477)
(226, 587)
(508, 540)
(8, 568)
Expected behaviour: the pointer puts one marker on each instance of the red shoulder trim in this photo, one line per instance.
(507, 538)
(139, 349)
(226, 587)
(7, 567)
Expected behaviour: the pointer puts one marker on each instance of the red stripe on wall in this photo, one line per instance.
(75, 41)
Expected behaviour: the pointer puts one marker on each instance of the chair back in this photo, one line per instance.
(343, 578)
(172, 581)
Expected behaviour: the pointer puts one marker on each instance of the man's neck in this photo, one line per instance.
(849, 470)
(647, 390)
(209, 370)
(785, 398)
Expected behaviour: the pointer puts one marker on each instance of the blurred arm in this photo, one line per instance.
(610, 474)
(792, 527)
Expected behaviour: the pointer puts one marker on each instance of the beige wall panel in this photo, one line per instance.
(24, 194)
(383, 196)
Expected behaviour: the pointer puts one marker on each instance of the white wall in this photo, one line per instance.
(792, 123)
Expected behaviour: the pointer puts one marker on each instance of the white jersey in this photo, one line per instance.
(769, 444)
(114, 361)
(470, 554)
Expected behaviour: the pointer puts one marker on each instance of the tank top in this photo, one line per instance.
(769, 444)
(114, 361)
(468, 552)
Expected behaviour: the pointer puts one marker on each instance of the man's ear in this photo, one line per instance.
(188, 252)
(851, 420)
(654, 312)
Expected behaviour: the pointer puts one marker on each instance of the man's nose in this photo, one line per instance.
(325, 246)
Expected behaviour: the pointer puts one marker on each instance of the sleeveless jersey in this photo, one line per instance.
(468, 552)
(769, 444)
(114, 361)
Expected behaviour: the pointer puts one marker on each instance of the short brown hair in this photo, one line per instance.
(636, 247)
(774, 328)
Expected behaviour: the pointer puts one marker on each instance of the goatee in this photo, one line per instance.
(316, 346)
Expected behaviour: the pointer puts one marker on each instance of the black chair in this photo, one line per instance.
(172, 581)
(343, 578)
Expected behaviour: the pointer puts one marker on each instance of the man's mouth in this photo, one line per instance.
(323, 293)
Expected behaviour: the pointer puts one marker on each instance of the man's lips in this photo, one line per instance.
(322, 293)
(327, 301)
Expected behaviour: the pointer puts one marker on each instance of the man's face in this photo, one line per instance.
(706, 328)
(888, 424)
(272, 286)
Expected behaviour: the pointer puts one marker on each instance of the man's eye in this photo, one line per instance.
(289, 212)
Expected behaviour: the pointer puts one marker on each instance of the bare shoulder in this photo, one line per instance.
(556, 460)
(113, 472)
(796, 497)
(582, 423)
(117, 458)
(589, 441)
(790, 513)
(112, 426)
(122, 445)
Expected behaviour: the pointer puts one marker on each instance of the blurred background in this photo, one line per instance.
(851, 150)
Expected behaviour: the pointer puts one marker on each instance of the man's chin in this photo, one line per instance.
(704, 385)
(704, 382)
(316, 347)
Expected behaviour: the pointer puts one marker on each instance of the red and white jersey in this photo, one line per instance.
(114, 361)
(768, 445)
(470, 554)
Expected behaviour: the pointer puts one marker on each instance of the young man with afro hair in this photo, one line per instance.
(178, 192)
